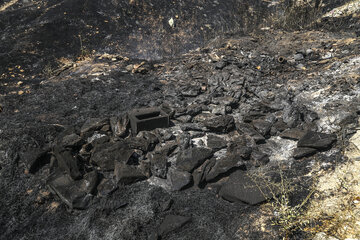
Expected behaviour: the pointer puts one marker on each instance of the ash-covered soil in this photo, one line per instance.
(243, 108)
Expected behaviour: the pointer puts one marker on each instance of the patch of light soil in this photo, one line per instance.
(336, 202)
(344, 10)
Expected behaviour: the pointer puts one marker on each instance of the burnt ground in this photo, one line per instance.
(50, 83)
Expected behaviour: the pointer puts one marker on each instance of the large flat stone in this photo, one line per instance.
(75, 194)
(192, 158)
(241, 188)
(317, 140)
(172, 223)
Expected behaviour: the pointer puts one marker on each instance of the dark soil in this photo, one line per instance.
(57, 50)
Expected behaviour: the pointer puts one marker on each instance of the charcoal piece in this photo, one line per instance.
(192, 158)
(301, 152)
(242, 188)
(317, 140)
(172, 223)
(221, 124)
(67, 162)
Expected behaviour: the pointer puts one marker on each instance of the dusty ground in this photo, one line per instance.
(51, 79)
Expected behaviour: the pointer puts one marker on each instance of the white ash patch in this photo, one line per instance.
(279, 149)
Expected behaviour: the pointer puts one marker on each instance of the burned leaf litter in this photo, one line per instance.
(183, 164)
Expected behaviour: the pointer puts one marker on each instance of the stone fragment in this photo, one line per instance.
(177, 180)
(221, 124)
(298, 57)
(106, 154)
(261, 126)
(159, 165)
(199, 174)
(172, 223)
(301, 152)
(191, 91)
(194, 110)
(219, 110)
(241, 188)
(259, 158)
(220, 65)
(317, 140)
(75, 194)
(215, 142)
(293, 134)
(244, 128)
(106, 187)
(93, 124)
(224, 166)
(127, 174)
(192, 158)
(67, 162)
(72, 140)
(120, 126)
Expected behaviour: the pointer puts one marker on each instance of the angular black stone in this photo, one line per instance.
(75, 194)
(259, 158)
(317, 140)
(127, 174)
(192, 158)
(216, 143)
(178, 180)
(221, 124)
(293, 134)
(301, 152)
(106, 187)
(244, 128)
(67, 162)
(159, 165)
(261, 126)
(224, 166)
(199, 174)
(172, 223)
(93, 124)
(241, 188)
(72, 140)
(120, 125)
(106, 154)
